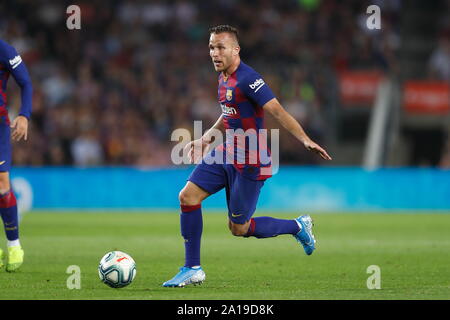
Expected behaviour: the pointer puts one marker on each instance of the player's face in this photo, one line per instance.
(223, 49)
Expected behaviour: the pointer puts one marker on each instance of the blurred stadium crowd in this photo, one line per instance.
(112, 92)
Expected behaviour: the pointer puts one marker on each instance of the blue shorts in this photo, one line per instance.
(242, 193)
(5, 147)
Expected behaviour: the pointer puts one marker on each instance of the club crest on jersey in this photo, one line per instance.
(229, 95)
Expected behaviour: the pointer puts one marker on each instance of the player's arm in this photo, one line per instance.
(258, 91)
(207, 137)
(18, 70)
(197, 148)
(292, 125)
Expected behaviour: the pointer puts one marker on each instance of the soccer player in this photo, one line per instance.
(11, 63)
(243, 96)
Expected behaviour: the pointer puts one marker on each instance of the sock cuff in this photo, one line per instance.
(186, 208)
(8, 199)
(251, 228)
(13, 243)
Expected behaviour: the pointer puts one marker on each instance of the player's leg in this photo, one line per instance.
(267, 227)
(191, 221)
(204, 181)
(264, 227)
(243, 196)
(8, 203)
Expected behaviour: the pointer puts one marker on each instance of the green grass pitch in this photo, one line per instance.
(412, 251)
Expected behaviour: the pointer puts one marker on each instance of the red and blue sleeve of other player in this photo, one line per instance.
(11, 64)
(242, 97)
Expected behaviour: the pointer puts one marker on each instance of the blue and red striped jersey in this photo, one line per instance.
(242, 97)
(11, 63)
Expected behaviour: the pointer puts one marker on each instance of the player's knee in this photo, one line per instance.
(238, 232)
(4, 184)
(187, 198)
(183, 197)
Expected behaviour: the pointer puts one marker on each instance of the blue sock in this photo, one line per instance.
(191, 222)
(8, 211)
(267, 227)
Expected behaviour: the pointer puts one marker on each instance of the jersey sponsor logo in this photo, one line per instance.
(257, 84)
(15, 61)
(227, 110)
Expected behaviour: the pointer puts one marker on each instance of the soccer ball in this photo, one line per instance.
(117, 269)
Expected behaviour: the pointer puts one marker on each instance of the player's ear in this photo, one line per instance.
(236, 50)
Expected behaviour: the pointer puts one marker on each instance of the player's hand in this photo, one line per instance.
(196, 149)
(20, 128)
(314, 147)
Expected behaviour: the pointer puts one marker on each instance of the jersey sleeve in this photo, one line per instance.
(256, 89)
(14, 64)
